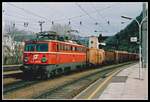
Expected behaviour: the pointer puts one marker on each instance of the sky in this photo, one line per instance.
(62, 12)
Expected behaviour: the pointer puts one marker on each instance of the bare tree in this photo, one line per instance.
(10, 29)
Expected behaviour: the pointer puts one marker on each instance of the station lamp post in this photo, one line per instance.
(140, 26)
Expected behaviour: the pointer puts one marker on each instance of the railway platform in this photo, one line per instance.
(125, 85)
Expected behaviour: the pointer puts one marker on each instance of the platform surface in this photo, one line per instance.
(127, 85)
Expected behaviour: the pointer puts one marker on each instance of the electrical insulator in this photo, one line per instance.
(96, 23)
(80, 23)
(52, 22)
(108, 22)
(26, 24)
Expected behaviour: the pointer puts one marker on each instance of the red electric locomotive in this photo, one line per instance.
(46, 58)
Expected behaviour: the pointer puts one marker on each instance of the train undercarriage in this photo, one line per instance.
(48, 71)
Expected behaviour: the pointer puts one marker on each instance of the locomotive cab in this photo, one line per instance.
(36, 53)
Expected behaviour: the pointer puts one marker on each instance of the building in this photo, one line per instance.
(93, 42)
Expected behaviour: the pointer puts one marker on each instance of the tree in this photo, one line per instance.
(10, 29)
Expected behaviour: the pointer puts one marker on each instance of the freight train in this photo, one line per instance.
(47, 58)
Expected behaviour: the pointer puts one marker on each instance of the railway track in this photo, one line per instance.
(11, 71)
(71, 89)
(11, 67)
(17, 85)
(70, 86)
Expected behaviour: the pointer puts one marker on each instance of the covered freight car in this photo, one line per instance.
(109, 57)
(95, 56)
(121, 56)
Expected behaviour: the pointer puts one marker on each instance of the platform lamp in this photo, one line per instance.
(140, 26)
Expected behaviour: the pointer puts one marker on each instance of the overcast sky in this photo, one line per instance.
(87, 12)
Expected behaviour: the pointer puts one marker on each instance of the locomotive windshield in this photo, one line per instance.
(39, 47)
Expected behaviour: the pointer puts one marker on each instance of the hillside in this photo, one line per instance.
(121, 40)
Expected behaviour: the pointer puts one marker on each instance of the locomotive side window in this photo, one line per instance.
(38, 47)
(68, 47)
(42, 47)
(64, 48)
(60, 46)
(80, 50)
(29, 47)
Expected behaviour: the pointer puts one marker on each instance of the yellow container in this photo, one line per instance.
(95, 56)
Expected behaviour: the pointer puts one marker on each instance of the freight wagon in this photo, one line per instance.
(95, 56)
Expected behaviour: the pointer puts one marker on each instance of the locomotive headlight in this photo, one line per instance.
(44, 59)
(25, 59)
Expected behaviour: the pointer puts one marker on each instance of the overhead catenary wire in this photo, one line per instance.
(22, 21)
(9, 15)
(68, 17)
(98, 17)
(16, 24)
(27, 11)
(20, 16)
(85, 12)
(98, 13)
(78, 16)
(90, 15)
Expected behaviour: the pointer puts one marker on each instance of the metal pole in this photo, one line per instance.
(140, 57)
(139, 25)
(139, 49)
(41, 22)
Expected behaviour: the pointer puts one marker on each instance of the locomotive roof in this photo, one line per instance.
(54, 41)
